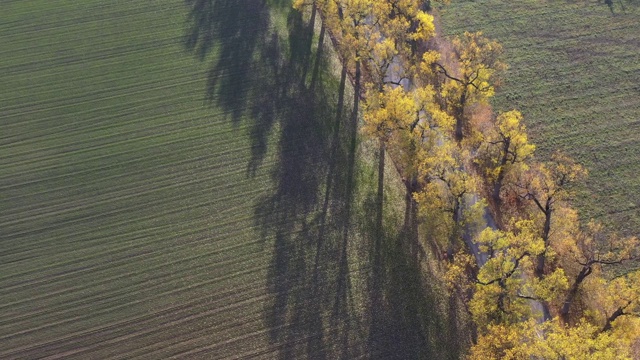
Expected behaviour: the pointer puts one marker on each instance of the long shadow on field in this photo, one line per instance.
(411, 316)
(232, 30)
(232, 33)
(333, 291)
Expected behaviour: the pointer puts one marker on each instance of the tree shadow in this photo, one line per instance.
(308, 216)
(244, 55)
(322, 283)
(617, 7)
(412, 315)
(609, 4)
(233, 32)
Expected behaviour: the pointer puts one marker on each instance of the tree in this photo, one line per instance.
(410, 122)
(387, 112)
(403, 24)
(416, 105)
(549, 340)
(496, 298)
(504, 153)
(445, 183)
(622, 298)
(593, 249)
(474, 78)
(547, 184)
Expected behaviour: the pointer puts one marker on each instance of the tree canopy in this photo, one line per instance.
(549, 286)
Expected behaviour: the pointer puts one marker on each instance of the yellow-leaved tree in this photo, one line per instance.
(444, 186)
(496, 299)
(591, 250)
(546, 185)
(471, 80)
(407, 122)
(551, 340)
(504, 154)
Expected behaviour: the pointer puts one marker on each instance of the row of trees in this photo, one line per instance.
(548, 287)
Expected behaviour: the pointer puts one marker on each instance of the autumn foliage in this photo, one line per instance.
(547, 286)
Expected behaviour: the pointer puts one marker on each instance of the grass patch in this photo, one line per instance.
(574, 74)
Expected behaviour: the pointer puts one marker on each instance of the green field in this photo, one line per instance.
(575, 75)
(171, 185)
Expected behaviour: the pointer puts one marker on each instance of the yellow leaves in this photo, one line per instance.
(384, 49)
(565, 227)
(439, 160)
(616, 303)
(511, 128)
(626, 330)
(549, 288)
(597, 246)
(417, 125)
(484, 305)
(504, 341)
(622, 294)
(404, 21)
(510, 121)
(426, 28)
(550, 341)
(472, 81)
(626, 287)
(505, 151)
(387, 111)
(440, 118)
(375, 31)
(299, 4)
(410, 114)
(582, 341)
(424, 95)
(524, 239)
(356, 10)
(434, 116)
(429, 58)
(441, 168)
(549, 183)
(457, 275)
(498, 297)
(565, 170)
(452, 91)
(551, 180)
(477, 52)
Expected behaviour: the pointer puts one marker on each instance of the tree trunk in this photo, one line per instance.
(460, 120)
(564, 312)
(495, 195)
(356, 90)
(547, 222)
(459, 125)
(455, 233)
(616, 314)
(540, 259)
(546, 313)
(309, 40)
(497, 186)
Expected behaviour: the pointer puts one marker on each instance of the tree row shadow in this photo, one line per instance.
(338, 287)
